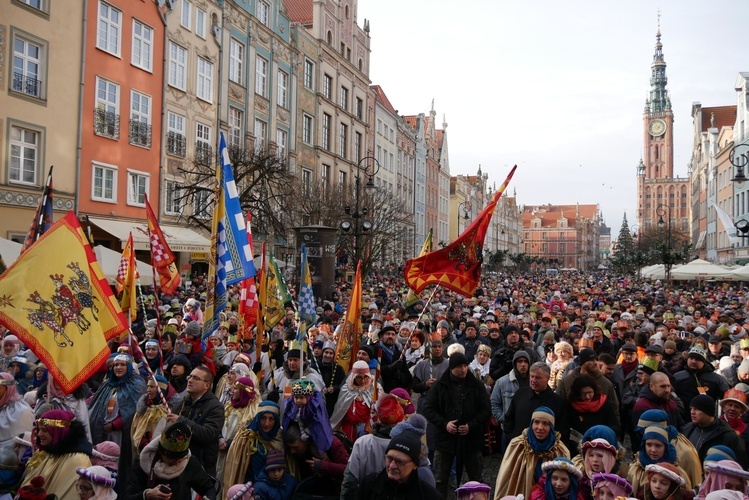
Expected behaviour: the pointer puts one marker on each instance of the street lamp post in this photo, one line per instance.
(661, 211)
(465, 208)
(369, 166)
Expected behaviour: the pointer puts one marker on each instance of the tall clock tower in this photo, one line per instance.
(656, 184)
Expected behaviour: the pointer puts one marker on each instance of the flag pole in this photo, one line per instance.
(418, 320)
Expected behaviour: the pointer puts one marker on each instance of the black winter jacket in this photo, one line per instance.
(466, 402)
(206, 419)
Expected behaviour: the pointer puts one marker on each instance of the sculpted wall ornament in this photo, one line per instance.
(236, 91)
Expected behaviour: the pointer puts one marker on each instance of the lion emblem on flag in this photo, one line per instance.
(65, 306)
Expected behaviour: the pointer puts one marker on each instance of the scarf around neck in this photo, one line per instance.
(589, 406)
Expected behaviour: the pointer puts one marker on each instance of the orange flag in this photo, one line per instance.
(162, 257)
(456, 267)
(350, 338)
(60, 304)
(127, 302)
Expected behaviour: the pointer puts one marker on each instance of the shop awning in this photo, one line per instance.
(180, 239)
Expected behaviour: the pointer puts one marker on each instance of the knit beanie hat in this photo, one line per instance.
(457, 359)
(407, 443)
(33, 491)
(275, 459)
(193, 329)
(704, 403)
(106, 454)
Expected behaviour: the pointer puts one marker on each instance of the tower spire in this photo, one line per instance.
(658, 101)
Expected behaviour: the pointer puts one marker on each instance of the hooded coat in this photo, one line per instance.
(507, 386)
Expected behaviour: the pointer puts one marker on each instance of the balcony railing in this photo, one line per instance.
(176, 144)
(140, 133)
(204, 154)
(106, 123)
(27, 85)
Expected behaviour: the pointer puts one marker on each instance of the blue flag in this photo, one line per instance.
(233, 259)
(307, 309)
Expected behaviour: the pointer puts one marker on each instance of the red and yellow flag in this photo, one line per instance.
(60, 305)
(456, 267)
(260, 335)
(350, 338)
(129, 293)
(162, 257)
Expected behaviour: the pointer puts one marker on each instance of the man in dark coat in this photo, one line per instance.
(501, 363)
(527, 399)
(706, 431)
(204, 414)
(471, 341)
(698, 377)
(393, 368)
(459, 408)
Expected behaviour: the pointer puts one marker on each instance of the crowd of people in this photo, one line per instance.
(585, 386)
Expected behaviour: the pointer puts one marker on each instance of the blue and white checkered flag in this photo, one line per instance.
(307, 309)
(238, 263)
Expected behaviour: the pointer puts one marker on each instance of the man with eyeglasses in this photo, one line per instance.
(400, 478)
(204, 414)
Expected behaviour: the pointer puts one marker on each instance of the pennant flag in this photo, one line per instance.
(307, 309)
(456, 267)
(232, 261)
(124, 266)
(350, 337)
(412, 298)
(261, 307)
(60, 305)
(127, 302)
(276, 294)
(162, 257)
(248, 302)
(43, 217)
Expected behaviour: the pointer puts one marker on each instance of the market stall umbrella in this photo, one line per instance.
(109, 261)
(699, 269)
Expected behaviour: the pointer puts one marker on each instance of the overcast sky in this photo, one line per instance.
(557, 88)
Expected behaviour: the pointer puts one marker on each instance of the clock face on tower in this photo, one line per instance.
(657, 128)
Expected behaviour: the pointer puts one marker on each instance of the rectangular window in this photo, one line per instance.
(186, 14)
(357, 146)
(283, 92)
(142, 46)
(110, 20)
(344, 98)
(306, 181)
(343, 138)
(261, 12)
(307, 129)
(326, 131)
(176, 141)
(200, 23)
(236, 61)
(327, 87)
(203, 148)
(261, 133)
(201, 201)
(37, 4)
(359, 108)
(309, 74)
(236, 118)
(261, 76)
(173, 198)
(27, 67)
(24, 155)
(177, 65)
(104, 183)
(325, 177)
(341, 180)
(281, 140)
(140, 119)
(205, 80)
(137, 187)
(107, 111)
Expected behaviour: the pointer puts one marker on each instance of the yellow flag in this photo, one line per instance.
(127, 301)
(350, 338)
(60, 304)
